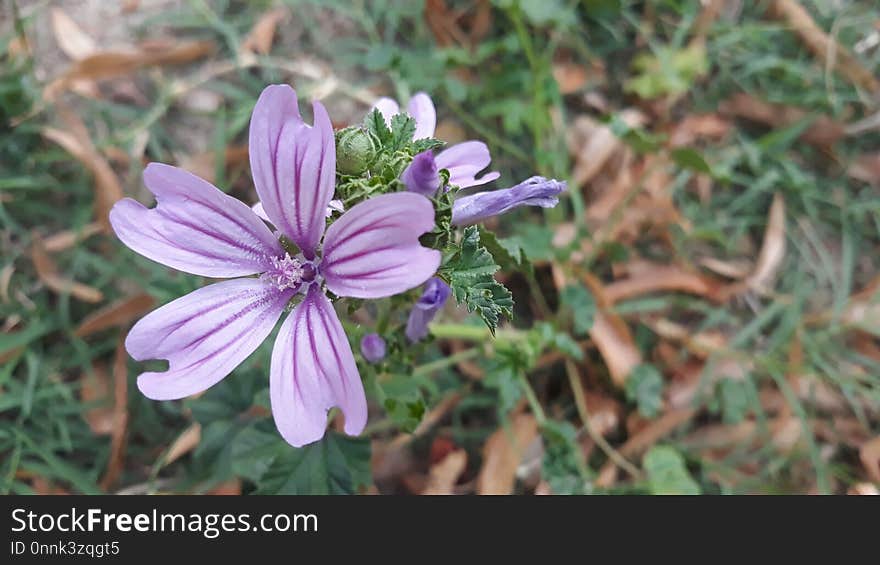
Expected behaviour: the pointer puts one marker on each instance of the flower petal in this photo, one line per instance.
(422, 109)
(388, 108)
(464, 161)
(195, 227)
(204, 335)
(421, 176)
(294, 165)
(534, 191)
(313, 369)
(433, 298)
(373, 250)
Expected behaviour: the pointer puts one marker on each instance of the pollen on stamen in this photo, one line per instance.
(286, 272)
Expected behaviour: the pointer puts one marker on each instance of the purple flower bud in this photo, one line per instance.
(373, 348)
(534, 191)
(432, 300)
(421, 175)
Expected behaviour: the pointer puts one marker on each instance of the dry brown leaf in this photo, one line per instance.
(120, 416)
(650, 278)
(824, 46)
(822, 133)
(47, 272)
(866, 168)
(108, 64)
(570, 77)
(116, 314)
(870, 456)
(502, 454)
(731, 269)
(772, 252)
(76, 141)
(611, 335)
(644, 439)
(73, 41)
(5, 278)
(95, 388)
(699, 126)
(445, 474)
(185, 442)
(66, 239)
(260, 38)
(229, 488)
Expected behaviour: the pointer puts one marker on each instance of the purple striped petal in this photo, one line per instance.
(373, 250)
(195, 227)
(294, 165)
(313, 369)
(204, 335)
(464, 161)
(422, 110)
(433, 298)
(421, 176)
(534, 191)
(388, 108)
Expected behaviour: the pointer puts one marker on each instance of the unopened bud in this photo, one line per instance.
(355, 150)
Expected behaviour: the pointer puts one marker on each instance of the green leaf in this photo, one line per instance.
(335, 465)
(507, 252)
(667, 473)
(667, 71)
(645, 387)
(579, 300)
(562, 465)
(470, 272)
(403, 127)
(425, 144)
(734, 400)
(375, 124)
(691, 159)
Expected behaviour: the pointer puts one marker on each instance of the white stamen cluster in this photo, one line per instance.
(286, 272)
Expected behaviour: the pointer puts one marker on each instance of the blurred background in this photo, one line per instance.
(699, 315)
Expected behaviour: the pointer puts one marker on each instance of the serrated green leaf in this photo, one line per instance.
(667, 473)
(644, 386)
(582, 305)
(403, 126)
(425, 144)
(335, 465)
(375, 124)
(507, 252)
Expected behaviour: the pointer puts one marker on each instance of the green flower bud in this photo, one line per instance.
(356, 150)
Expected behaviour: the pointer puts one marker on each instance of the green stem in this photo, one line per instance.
(532, 398)
(474, 333)
(430, 367)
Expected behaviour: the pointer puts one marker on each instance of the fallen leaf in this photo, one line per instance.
(870, 456)
(824, 46)
(866, 168)
(699, 126)
(77, 142)
(611, 335)
(185, 442)
(502, 454)
(108, 64)
(644, 439)
(445, 474)
(570, 77)
(116, 314)
(73, 41)
(260, 38)
(772, 251)
(731, 269)
(119, 433)
(649, 278)
(47, 272)
(95, 388)
(823, 132)
(68, 238)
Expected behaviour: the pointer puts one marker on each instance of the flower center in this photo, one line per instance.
(288, 272)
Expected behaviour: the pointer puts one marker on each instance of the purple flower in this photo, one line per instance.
(373, 348)
(432, 300)
(463, 160)
(371, 251)
(421, 176)
(534, 191)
